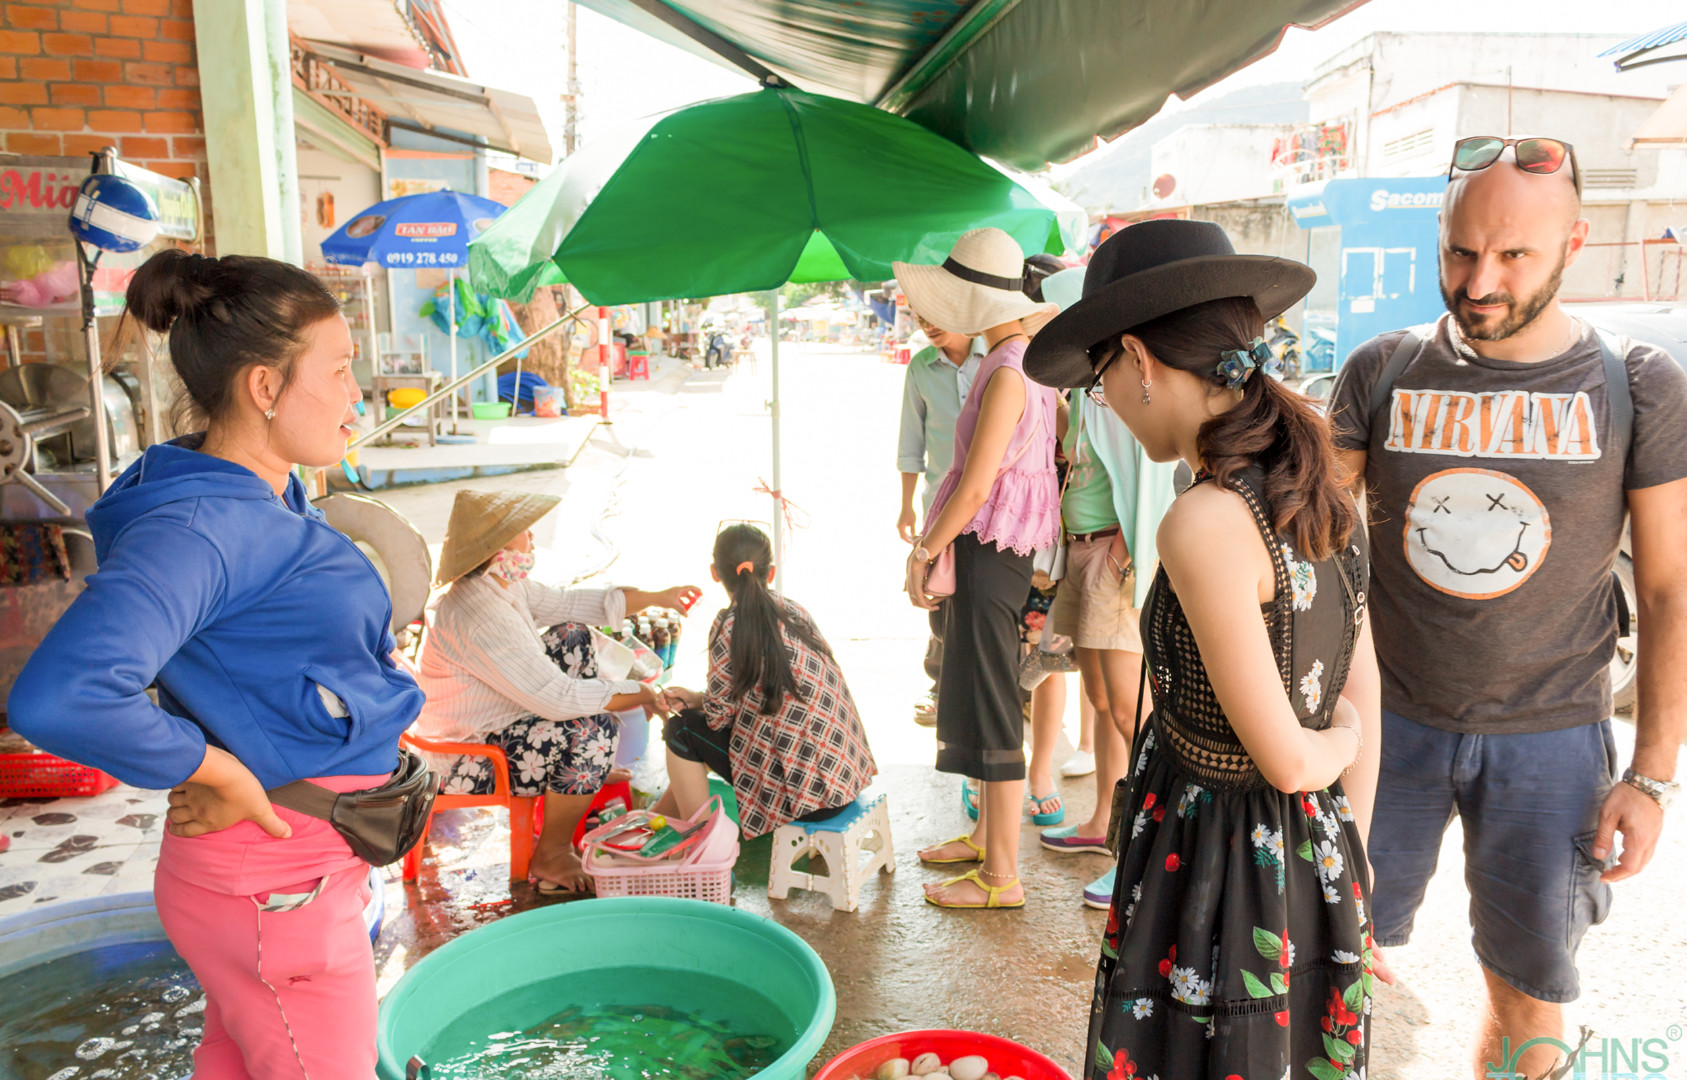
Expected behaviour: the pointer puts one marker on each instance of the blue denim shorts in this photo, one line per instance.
(1529, 805)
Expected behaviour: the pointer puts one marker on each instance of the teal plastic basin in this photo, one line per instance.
(596, 939)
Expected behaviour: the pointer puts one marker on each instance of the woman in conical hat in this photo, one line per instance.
(508, 660)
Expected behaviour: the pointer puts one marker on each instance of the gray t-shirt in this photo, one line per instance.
(1497, 506)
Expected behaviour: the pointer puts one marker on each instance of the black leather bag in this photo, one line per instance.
(379, 824)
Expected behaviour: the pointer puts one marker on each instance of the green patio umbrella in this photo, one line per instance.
(746, 193)
(743, 194)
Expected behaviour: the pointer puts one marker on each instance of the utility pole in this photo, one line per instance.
(571, 94)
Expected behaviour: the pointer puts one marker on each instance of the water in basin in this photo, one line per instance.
(620, 1024)
(122, 1012)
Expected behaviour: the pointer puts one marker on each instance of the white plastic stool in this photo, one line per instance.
(861, 828)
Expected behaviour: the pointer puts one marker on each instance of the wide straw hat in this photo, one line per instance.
(481, 523)
(1151, 269)
(980, 285)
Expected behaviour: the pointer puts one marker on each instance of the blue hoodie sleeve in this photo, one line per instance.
(82, 695)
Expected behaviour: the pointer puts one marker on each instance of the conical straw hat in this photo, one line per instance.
(481, 523)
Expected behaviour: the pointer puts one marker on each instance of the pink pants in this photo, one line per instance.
(289, 986)
(288, 993)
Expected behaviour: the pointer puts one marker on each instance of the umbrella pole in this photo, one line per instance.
(451, 290)
(778, 491)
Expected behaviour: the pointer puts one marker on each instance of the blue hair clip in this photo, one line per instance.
(1237, 364)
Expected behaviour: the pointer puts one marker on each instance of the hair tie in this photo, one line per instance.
(1236, 365)
(745, 567)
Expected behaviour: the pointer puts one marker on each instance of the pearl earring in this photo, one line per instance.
(269, 414)
(1146, 383)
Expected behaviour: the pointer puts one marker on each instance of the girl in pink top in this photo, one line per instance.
(997, 506)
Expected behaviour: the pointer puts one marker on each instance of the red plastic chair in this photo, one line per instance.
(523, 823)
(638, 366)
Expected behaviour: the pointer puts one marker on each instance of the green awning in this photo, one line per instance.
(1024, 82)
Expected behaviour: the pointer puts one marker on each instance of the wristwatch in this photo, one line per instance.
(921, 555)
(1662, 792)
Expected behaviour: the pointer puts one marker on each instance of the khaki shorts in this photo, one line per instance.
(1092, 606)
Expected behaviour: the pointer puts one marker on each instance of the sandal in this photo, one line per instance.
(992, 893)
(969, 797)
(1048, 810)
(977, 856)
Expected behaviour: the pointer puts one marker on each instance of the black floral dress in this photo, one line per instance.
(1238, 944)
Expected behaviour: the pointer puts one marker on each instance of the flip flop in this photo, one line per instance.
(1048, 810)
(1068, 840)
(992, 893)
(969, 798)
(977, 856)
(551, 888)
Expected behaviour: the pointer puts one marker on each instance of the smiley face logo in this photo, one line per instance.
(1475, 533)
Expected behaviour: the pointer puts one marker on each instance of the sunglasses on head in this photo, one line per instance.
(727, 523)
(1533, 155)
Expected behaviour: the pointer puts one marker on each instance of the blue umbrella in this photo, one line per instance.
(415, 232)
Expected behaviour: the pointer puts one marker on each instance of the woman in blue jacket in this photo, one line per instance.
(265, 633)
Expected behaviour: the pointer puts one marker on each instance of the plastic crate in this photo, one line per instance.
(43, 776)
(704, 874)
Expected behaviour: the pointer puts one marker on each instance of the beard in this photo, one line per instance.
(1518, 316)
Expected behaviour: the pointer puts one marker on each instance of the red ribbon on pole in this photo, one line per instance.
(795, 516)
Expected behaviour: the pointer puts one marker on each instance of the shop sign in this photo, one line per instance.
(177, 201)
(38, 188)
(425, 230)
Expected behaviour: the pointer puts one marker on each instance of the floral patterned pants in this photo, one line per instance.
(568, 757)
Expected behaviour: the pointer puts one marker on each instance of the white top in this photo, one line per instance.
(483, 665)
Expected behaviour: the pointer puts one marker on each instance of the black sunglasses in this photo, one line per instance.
(1094, 390)
(1539, 156)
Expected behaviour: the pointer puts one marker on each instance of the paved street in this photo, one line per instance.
(641, 507)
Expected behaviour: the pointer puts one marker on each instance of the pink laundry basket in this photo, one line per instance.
(705, 873)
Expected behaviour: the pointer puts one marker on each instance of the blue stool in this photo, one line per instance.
(854, 842)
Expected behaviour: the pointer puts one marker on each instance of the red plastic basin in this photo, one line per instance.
(1006, 1057)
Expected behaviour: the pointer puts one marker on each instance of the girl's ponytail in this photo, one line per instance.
(759, 658)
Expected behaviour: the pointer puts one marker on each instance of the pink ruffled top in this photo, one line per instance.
(1022, 511)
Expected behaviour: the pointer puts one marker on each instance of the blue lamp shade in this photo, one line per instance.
(113, 214)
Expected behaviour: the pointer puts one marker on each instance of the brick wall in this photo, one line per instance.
(78, 75)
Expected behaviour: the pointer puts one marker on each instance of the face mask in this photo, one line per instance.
(510, 566)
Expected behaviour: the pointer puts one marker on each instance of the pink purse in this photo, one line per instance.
(940, 578)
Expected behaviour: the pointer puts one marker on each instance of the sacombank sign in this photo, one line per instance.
(1383, 199)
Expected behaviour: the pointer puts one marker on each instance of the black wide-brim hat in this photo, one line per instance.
(1150, 269)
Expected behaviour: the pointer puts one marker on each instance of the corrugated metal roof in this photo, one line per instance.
(1633, 52)
(1669, 35)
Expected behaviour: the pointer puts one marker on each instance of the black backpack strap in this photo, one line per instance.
(1410, 345)
(1618, 393)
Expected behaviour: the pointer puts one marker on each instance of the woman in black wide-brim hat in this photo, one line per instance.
(1238, 943)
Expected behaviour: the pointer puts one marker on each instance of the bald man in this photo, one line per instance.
(1497, 492)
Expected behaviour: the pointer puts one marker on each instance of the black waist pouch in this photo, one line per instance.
(379, 824)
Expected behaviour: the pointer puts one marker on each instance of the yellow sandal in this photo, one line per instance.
(977, 856)
(992, 893)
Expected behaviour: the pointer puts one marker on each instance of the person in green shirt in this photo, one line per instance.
(1110, 508)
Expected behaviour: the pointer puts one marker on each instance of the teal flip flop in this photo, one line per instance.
(1048, 810)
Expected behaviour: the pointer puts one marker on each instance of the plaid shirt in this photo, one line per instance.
(810, 754)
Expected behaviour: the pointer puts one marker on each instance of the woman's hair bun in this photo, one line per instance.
(167, 286)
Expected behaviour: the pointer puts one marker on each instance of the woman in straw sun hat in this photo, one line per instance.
(1243, 818)
(997, 506)
(508, 661)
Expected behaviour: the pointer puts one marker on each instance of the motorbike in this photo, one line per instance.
(719, 352)
(1286, 344)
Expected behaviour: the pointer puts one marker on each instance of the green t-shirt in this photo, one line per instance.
(1088, 504)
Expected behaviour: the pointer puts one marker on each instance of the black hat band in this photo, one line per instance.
(979, 277)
